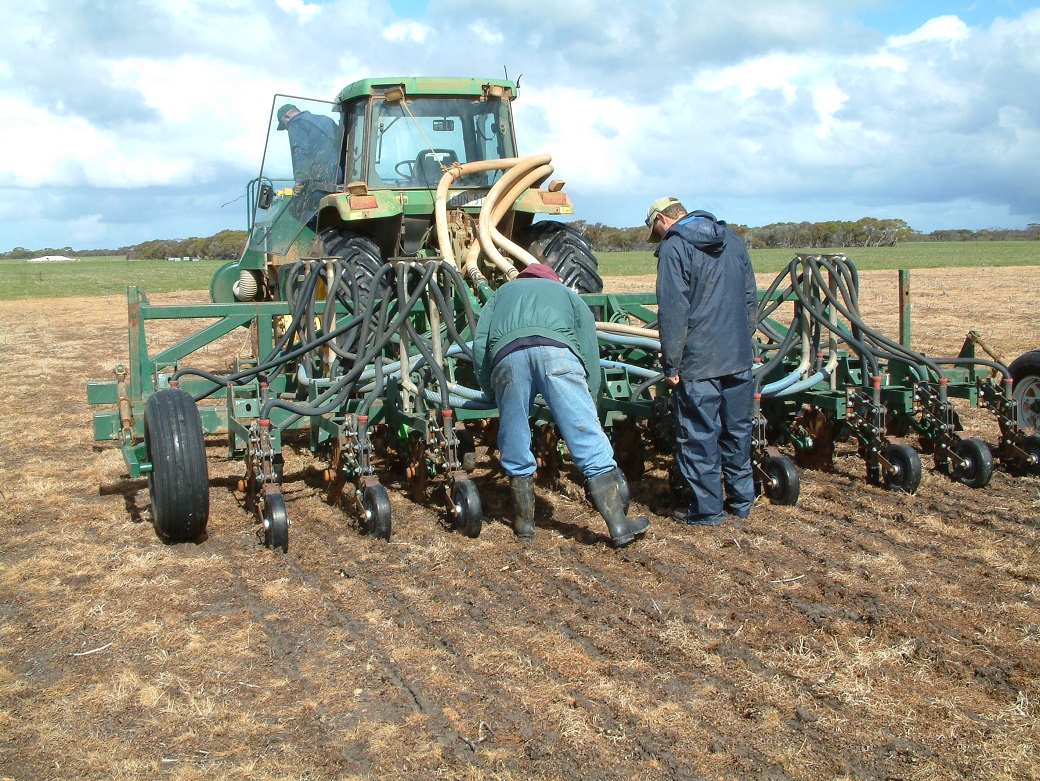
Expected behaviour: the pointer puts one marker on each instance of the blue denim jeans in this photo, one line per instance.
(559, 376)
(714, 447)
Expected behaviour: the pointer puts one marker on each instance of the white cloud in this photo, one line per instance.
(941, 28)
(303, 11)
(414, 32)
(787, 110)
(486, 35)
(587, 136)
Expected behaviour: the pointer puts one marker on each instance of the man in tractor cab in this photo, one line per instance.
(312, 144)
(707, 308)
(536, 336)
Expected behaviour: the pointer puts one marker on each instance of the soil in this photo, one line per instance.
(863, 633)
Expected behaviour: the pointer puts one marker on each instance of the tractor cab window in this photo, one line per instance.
(354, 118)
(412, 141)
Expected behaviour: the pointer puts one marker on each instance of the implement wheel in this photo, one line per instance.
(906, 468)
(466, 511)
(1025, 371)
(276, 523)
(1029, 465)
(976, 468)
(376, 504)
(782, 483)
(178, 485)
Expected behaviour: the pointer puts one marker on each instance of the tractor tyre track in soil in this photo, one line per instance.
(861, 633)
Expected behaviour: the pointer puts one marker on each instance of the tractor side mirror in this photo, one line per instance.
(263, 200)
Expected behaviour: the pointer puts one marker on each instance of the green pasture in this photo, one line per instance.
(935, 254)
(102, 276)
(111, 275)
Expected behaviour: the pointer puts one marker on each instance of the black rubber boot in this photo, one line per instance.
(608, 492)
(522, 487)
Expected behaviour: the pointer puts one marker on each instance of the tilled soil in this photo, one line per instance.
(862, 633)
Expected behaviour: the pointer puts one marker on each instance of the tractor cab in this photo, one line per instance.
(399, 138)
(394, 136)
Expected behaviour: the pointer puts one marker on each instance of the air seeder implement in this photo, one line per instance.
(358, 293)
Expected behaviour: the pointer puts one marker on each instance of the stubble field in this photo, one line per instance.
(863, 633)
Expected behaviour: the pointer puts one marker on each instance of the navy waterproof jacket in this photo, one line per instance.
(707, 299)
(313, 145)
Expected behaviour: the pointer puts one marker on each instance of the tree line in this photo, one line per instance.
(865, 232)
(226, 245)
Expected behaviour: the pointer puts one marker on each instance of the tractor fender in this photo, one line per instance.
(534, 201)
(340, 208)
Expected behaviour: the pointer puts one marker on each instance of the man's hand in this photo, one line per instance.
(297, 188)
(673, 381)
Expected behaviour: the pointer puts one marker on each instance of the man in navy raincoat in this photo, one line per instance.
(312, 144)
(707, 316)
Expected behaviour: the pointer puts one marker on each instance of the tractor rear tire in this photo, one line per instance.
(178, 485)
(1025, 371)
(361, 254)
(568, 254)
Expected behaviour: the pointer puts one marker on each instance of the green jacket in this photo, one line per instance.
(535, 307)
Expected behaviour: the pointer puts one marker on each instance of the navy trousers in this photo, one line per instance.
(714, 444)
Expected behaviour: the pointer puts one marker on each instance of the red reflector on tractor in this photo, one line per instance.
(363, 202)
(553, 199)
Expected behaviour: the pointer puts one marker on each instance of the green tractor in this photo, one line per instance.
(384, 196)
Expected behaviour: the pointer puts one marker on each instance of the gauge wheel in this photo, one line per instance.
(782, 484)
(976, 463)
(467, 449)
(376, 504)
(466, 513)
(276, 523)
(1029, 465)
(905, 474)
(178, 484)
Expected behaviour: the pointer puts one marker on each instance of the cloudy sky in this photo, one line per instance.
(128, 120)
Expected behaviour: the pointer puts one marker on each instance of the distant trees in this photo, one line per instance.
(865, 232)
(226, 245)
(603, 238)
(1032, 233)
